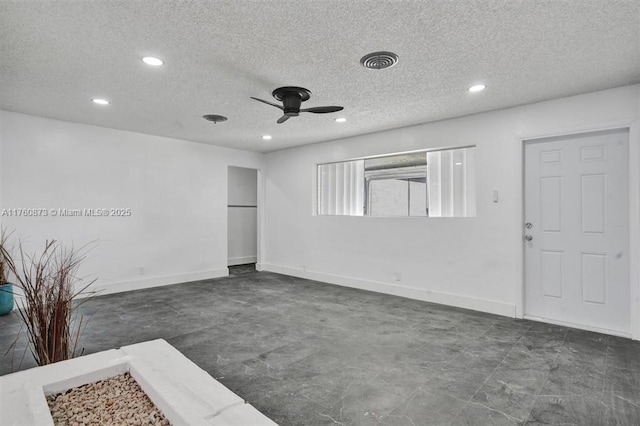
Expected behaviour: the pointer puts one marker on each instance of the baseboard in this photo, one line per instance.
(241, 260)
(103, 288)
(450, 299)
(579, 326)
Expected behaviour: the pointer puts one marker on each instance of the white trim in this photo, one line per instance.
(315, 190)
(103, 288)
(392, 154)
(260, 217)
(578, 326)
(520, 289)
(241, 260)
(634, 226)
(633, 126)
(576, 130)
(450, 299)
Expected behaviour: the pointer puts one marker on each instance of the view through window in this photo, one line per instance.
(428, 183)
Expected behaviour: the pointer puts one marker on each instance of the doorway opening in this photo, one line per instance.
(242, 220)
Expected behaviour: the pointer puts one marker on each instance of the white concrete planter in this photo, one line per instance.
(185, 393)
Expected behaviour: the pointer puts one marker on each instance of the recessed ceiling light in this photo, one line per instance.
(458, 164)
(100, 101)
(150, 60)
(340, 120)
(477, 88)
(266, 137)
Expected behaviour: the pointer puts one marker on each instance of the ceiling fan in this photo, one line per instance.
(292, 98)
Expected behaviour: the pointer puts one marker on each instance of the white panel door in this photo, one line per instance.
(577, 230)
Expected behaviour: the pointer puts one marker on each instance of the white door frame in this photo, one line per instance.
(260, 212)
(634, 211)
(261, 218)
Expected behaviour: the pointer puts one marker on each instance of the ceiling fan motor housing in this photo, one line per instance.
(291, 103)
(291, 97)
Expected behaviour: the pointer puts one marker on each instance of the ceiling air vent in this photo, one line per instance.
(379, 60)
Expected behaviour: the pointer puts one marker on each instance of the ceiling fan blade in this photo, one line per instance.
(283, 119)
(323, 109)
(267, 102)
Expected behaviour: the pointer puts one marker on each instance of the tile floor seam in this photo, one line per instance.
(626, 400)
(342, 394)
(409, 398)
(546, 377)
(366, 382)
(492, 373)
(418, 390)
(515, 419)
(332, 419)
(464, 348)
(461, 408)
(432, 378)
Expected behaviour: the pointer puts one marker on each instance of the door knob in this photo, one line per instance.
(528, 237)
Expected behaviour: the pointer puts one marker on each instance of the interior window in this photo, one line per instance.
(428, 183)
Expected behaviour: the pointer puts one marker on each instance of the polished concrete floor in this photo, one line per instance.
(306, 353)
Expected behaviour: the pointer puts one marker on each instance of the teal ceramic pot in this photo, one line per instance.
(6, 298)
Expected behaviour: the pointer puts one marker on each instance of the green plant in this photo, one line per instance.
(47, 305)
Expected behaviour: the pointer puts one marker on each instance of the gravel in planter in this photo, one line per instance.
(115, 401)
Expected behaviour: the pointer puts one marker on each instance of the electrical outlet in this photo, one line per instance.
(141, 270)
(397, 276)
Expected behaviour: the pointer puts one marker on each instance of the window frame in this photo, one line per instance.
(316, 183)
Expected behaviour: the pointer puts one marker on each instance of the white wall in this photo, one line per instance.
(242, 216)
(471, 262)
(1, 167)
(176, 190)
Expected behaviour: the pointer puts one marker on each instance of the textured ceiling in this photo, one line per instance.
(55, 56)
